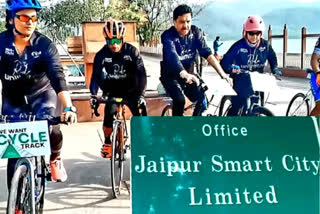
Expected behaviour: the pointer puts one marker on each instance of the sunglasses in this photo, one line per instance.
(251, 33)
(25, 18)
(113, 41)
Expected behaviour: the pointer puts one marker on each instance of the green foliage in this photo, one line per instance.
(65, 18)
(158, 15)
(2, 23)
(124, 10)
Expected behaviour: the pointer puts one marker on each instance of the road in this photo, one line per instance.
(88, 187)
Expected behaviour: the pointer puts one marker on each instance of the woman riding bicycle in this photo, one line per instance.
(248, 54)
(32, 76)
(118, 70)
(315, 78)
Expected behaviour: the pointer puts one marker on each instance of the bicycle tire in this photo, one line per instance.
(298, 106)
(261, 111)
(117, 156)
(42, 175)
(225, 105)
(18, 190)
(167, 111)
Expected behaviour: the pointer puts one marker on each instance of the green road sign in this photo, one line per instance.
(222, 165)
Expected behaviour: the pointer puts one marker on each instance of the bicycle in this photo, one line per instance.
(220, 84)
(301, 104)
(119, 139)
(260, 83)
(26, 194)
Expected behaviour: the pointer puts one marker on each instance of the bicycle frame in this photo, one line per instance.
(120, 119)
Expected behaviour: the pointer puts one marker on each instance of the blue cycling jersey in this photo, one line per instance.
(314, 87)
(179, 52)
(31, 73)
(317, 47)
(248, 59)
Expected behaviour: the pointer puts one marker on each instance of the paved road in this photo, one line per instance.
(88, 187)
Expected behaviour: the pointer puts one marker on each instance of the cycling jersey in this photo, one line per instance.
(179, 53)
(314, 86)
(317, 47)
(119, 73)
(35, 71)
(249, 59)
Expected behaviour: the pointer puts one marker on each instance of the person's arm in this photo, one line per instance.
(272, 59)
(96, 73)
(141, 76)
(315, 62)
(58, 82)
(170, 54)
(215, 64)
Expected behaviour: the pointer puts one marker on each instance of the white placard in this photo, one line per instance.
(24, 139)
(263, 82)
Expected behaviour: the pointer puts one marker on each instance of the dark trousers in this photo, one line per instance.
(111, 109)
(177, 90)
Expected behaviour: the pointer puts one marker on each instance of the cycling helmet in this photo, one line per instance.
(113, 29)
(15, 5)
(254, 23)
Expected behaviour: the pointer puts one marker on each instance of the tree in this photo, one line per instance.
(159, 17)
(3, 22)
(64, 18)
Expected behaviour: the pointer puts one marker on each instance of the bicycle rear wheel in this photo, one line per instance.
(298, 106)
(117, 159)
(225, 105)
(167, 111)
(20, 192)
(260, 111)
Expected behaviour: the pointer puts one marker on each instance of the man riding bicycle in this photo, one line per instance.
(248, 54)
(32, 77)
(180, 45)
(315, 78)
(118, 70)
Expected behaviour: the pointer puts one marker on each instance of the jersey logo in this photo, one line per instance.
(261, 49)
(243, 50)
(20, 69)
(107, 60)
(127, 57)
(9, 51)
(36, 54)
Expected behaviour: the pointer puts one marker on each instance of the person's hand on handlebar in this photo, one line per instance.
(190, 78)
(235, 69)
(69, 115)
(93, 101)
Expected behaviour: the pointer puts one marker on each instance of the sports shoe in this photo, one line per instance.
(58, 172)
(106, 150)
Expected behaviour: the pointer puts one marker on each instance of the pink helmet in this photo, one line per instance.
(254, 23)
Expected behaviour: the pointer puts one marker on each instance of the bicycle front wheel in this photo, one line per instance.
(167, 111)
(260, 111)
(298, 106)
(20, 192)
(117, 159)
(225, 105)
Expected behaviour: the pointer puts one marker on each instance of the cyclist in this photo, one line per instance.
(315, 79)
(180, 45)
(250, 54)
(32, 76)
(118, 70)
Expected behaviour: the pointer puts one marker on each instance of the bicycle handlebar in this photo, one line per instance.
(105, 100)
(29, 117)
